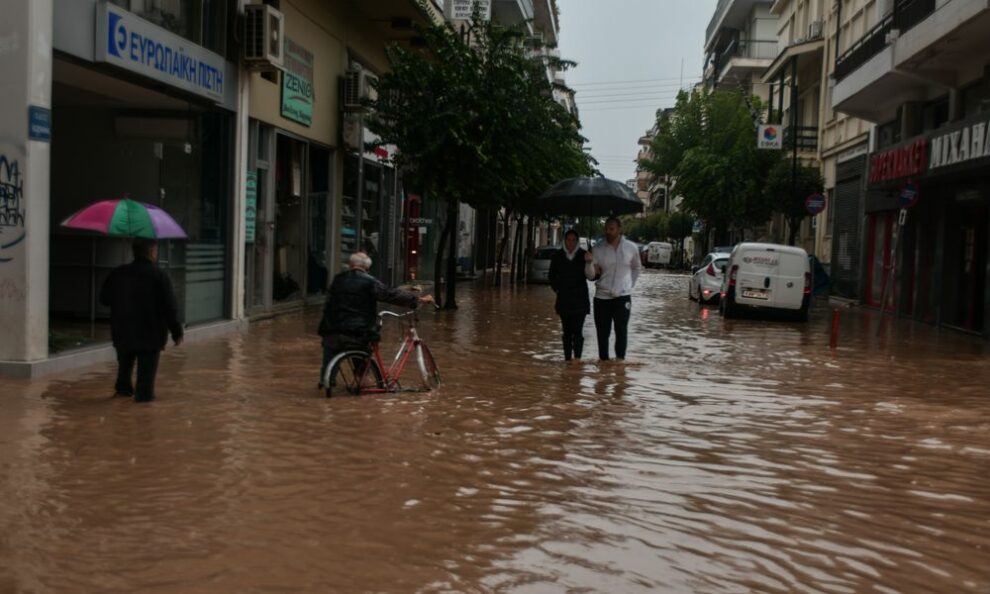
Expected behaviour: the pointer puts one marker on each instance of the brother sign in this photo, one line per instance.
(130, 42)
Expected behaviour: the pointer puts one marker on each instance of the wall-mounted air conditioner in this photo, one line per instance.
(263, 43)
(358, 85)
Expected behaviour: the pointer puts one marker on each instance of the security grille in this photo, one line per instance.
(846, 239)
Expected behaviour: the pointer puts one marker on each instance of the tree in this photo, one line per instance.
(708, 143)
(474, 121)
(787, 189)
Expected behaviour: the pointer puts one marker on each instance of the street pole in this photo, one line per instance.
(892, 268)
(794, 135)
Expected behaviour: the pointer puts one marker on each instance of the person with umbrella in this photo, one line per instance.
(143, 309)
(614, 265)
(567, 279)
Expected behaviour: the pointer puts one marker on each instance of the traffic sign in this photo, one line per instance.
(815, 203)
(909, 195)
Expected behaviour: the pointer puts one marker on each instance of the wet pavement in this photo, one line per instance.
(722, 457)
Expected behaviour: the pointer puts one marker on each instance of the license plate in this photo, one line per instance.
(756, 294)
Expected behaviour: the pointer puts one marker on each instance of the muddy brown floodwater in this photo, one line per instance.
(723, 457)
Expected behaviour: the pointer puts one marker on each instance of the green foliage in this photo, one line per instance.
(786, 192)
(708, 143)
(476, 122)
(680, 225)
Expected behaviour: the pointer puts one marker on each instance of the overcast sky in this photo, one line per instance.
(629, 55)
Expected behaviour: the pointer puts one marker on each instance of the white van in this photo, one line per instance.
(658, 253)
(766, 276)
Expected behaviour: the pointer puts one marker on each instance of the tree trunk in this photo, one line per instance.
(516, 250)
(453, 210)
(438, 263)
(500, 258)
(795, 227)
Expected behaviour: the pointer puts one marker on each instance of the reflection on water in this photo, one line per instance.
(723, 457)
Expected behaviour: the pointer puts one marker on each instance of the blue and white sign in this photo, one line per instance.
(39, 123)
(909, 195)
(130, 42)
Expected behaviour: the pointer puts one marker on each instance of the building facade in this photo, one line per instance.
(155, 101)
(920, 71)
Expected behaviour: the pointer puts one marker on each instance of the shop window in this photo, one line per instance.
(350, 209)
(200, 21)
(889, 134)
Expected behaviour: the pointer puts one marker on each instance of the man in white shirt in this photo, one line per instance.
(614, 265)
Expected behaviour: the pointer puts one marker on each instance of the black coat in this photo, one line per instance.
(351, 306)
(568, 281)
(142, 307)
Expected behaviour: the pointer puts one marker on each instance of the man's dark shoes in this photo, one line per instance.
(144, 399)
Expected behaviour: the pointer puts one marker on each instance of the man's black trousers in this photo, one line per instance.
(573, 327)
(608, 312)
(147, 367)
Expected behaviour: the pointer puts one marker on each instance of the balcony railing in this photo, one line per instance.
(806, 138)
(749, 48)
(719, 9)
(906, 14)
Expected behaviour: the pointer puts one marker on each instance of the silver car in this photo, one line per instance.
(706, 279)
(539, 265)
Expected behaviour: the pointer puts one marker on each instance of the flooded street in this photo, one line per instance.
(722, 457)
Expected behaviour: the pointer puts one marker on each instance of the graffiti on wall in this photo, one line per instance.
(12, 211)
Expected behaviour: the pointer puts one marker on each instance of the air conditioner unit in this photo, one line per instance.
(815, 29)
(357, 86)
(263, 44)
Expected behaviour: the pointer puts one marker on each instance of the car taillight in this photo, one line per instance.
(710, 270)
(807, 283)
(732, 275)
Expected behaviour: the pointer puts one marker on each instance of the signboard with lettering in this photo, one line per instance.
(970, 142)
(127, 41)
(39, 123)
(297, 84)
(462, 10)
(900, 162)
(770, 137)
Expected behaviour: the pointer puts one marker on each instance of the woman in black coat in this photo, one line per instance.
(568, 281)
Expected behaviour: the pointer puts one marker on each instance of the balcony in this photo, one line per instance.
(906, 15)
(806, 138)
(512, 12)
(740, 59)
(730, 14)
(909, 56)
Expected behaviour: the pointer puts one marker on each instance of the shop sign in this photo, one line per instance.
(297, 84)
(462, 10)
(904, 161)
(971, 142)
(250, 206)
(130, 42)
(769, 137)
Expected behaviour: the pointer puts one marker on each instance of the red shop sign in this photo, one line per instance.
(905, 161)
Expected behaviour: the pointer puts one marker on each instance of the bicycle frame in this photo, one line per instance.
(391, 374)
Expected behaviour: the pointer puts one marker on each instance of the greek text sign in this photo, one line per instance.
(297, 84)
(461, 10)
(971, 142)
(770, 137)
(39, 123)
(250, 206)
(896, 163)
(130, 42)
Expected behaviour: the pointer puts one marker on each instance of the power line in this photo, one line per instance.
(613, 82)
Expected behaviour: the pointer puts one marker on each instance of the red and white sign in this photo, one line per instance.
(901, 162)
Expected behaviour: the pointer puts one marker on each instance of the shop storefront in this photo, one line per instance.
(146, 113)
(930, 264)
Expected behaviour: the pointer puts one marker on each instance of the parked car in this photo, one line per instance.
(706, 280)
(658, 254)
(768, 277)
(643, 252)
(539, 264)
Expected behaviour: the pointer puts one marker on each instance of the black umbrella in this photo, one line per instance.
(588, 196)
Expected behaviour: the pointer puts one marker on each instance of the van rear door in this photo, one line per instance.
(756, 275)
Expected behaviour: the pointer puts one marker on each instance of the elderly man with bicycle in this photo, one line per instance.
(350, 315)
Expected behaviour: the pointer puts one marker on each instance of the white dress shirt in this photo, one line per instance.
(620, 268)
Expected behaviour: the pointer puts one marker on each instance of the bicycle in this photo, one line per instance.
(357, 372)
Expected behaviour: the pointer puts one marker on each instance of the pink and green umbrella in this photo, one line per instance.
(126, 218)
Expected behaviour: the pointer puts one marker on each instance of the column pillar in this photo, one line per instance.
(25, 87)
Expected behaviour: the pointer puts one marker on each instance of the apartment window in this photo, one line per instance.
(935, 114)
(975, 98)
(200, 21)
(889, 134)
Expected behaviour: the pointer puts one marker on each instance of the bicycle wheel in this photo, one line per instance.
(352, 372)
(427, 367)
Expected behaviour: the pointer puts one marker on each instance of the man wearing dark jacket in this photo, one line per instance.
(143, 313)
(350, 313)
(567, 279)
